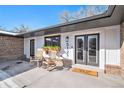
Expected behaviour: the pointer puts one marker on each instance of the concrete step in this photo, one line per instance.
(9, 82)
(21, 84)
(3, 75)
(24, 79)
(3, 85)
(12, 83)
(28, 77)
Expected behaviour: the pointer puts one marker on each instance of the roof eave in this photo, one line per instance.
(108, 13)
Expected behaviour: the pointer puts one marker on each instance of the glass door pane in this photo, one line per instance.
(92, 51)
(80, 53)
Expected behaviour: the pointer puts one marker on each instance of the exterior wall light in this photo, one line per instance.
(67, 39)
(67, 45)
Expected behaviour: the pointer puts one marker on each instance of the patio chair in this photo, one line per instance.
(38, 58)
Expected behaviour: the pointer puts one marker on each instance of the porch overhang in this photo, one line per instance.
(113, 16)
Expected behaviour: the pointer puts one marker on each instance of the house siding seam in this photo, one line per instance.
(11, 48)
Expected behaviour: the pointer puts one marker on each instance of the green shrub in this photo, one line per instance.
(51, 48)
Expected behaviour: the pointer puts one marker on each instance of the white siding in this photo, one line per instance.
(109, 44)
(39, 42)
(112, 46)
(27, 47)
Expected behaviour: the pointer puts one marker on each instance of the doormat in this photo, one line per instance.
(19, 62)
(85, 71)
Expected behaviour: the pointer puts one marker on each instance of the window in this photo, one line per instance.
(52, 41)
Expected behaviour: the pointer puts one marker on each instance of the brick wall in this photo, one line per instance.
(122, 50)
(118, 70)
(113, 69)
(11, 48)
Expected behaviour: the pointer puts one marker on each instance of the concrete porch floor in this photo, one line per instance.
(40, 78)
(68, 79)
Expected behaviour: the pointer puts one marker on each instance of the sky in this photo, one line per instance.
(34, 16)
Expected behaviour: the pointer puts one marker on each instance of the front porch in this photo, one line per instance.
(38, 78)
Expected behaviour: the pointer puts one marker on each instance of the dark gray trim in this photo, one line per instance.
(85, 47)
(53, 36)
(75, 45)
(32, 41)
(98, 48)
(11, 35)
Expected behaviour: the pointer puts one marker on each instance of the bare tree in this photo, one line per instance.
(79, 14)
(91, 10)
(96, 9)
(21, 29)
(65, 16)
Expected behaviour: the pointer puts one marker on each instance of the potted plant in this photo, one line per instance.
(51, 48)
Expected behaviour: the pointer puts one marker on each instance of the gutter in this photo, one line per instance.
(8, 33)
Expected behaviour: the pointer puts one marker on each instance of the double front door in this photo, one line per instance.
(87, 49)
